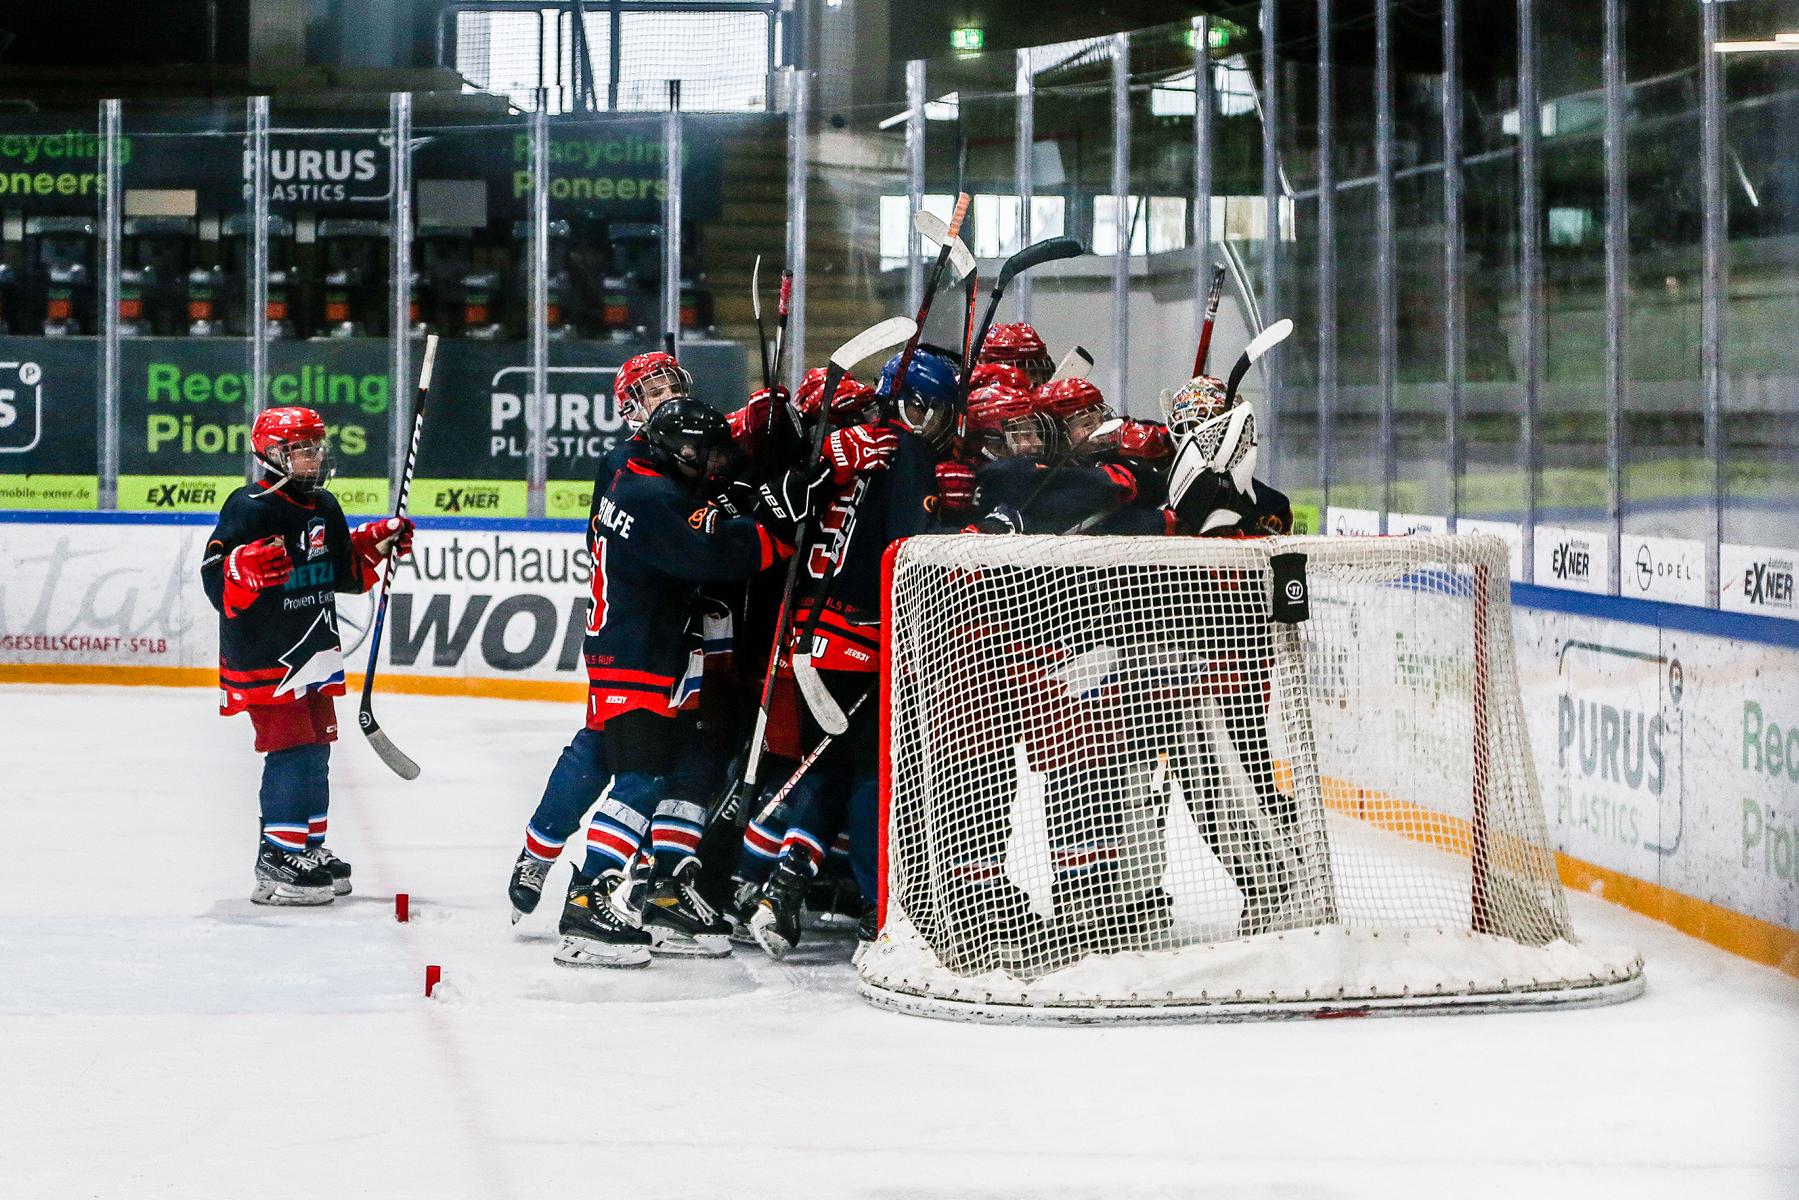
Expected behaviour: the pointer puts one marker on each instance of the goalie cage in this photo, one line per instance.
(1114, 788)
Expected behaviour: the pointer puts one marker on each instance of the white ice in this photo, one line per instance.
(159, 1035)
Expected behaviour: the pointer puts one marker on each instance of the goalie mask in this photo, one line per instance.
(1214, 470)
(645, 381)
(293, 446)
(1199, 400)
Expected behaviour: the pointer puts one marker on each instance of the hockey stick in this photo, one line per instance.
(819, 701)
(1034, 255)
(869, 342)
(768, 379)
(1205, 330)
(1076, 364)
(1261, 344)
(805, 764)
(383, 745)
(933, 229)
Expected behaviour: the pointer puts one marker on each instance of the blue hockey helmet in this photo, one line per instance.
(926, 404)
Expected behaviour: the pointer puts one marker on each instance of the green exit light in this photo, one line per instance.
(967, 38)
(1217, 38)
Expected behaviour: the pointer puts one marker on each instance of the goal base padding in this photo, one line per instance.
(1316, 973)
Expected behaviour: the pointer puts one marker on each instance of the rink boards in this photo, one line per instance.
(1666, 738)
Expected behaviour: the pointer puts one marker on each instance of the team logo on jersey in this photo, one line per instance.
(704, 519)
(315, 538)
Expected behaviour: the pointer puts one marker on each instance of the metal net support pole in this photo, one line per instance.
(1386, 303)
(1454, 327)
(1327, 256)
(537, 410)
(1712, 233)
(1121, 208)
(1617, 265)
(110, 121)
(915, 131)
(1202, 171)
(1271, 234)
(257, 324)
(1024, 90)
(1530, 272)
(399, 288)
(799, 149)
(672, 152)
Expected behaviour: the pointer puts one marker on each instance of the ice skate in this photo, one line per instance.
(680, 922)
(593, 935)
(746, 897)
(526, 887)
(337, 868)
(289, 879)
(776, 923)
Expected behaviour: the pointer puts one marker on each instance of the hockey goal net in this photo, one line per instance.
(1120, 781)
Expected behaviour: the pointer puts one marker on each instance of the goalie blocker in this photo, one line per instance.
(1118, 784)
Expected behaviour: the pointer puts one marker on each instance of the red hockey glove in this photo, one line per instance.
(372, 540)
(1124, 478)
(252, 567)
(859, 450)
(1146, 440)
(955, 486)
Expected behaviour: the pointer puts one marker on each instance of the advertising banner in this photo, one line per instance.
(1756, 579)
(49, 449)
(1577, 559)
(184, 440)
(1667, 756)
(1662, 568)
(184, 403)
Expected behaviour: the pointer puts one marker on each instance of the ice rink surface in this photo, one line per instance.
(161, 1036)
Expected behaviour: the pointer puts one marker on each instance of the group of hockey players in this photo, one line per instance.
(694, 518)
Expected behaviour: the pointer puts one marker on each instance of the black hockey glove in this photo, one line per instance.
(787, 499)
(1211, 504)
(1002, 519)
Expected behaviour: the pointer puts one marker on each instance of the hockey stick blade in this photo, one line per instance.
(894, 331)
(1076, 364)
(1035, 255)
(819, 701)
(1263, 342)
(933, 229)
(384, 748)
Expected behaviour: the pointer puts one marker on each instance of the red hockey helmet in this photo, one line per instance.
(995, 372)
(1003, 421)
(646, 380)
(293, 444)
(1077, 405)
(1019, 345)
(852, 402)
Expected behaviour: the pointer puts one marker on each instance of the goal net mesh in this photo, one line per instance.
(1112, 778)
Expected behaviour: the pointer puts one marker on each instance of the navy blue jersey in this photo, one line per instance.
(283, 644)
(653, 542)
(1269, 513)
(854, 531)
(1052, 500)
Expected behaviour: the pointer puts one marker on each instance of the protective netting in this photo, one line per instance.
(1114, 780)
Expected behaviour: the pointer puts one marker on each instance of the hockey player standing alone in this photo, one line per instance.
(276, 559)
